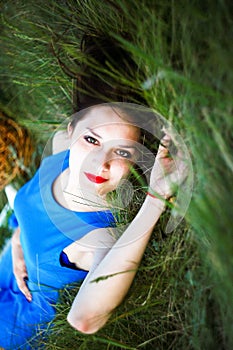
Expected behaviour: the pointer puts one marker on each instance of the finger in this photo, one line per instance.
(24, 288)
(175, 147)
(169, 135)
(173, 142)
(163, 151)
(164, 143)
(180, 174)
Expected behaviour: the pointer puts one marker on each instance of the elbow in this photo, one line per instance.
(81, 324)
(87, 324)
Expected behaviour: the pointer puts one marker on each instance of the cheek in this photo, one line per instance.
(121, 169)
(78, 153)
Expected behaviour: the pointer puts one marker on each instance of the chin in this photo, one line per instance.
(102, 193)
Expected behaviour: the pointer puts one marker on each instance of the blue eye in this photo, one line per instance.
(91, 139)
(124, 154)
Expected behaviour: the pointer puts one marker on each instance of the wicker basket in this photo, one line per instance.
(15, 150)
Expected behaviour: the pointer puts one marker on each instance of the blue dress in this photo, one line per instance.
(46, 229)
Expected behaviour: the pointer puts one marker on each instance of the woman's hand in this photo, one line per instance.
(169, 171)
(19, 267)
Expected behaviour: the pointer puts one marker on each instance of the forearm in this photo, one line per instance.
(16, 237)
(17, 252)
(106, 286)
(19, 267)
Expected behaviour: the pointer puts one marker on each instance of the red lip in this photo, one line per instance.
(95, 179)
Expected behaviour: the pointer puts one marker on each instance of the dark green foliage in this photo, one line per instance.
(182, 295)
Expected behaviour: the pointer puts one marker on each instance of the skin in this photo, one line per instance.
(118, 264)
(96, 147)
(99, 155)
(19, 266)
(101, 144)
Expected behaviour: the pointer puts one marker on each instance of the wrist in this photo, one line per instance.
(155, 195)
(152, 200)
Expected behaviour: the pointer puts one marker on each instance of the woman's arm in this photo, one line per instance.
(110, 279)
(97, 299)
(19, 267)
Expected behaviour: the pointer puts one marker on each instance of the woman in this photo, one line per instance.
(67, 231)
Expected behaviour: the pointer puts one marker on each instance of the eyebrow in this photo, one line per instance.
(94, 133)
(127, 146)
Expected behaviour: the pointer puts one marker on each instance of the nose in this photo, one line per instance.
(106, 165)
(102, 160)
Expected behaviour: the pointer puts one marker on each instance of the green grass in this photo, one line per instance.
(182, 295)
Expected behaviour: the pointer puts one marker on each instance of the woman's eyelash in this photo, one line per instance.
(91, 139)
(123, 153)
(120, 152)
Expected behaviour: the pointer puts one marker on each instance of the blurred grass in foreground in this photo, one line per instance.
(182, 295)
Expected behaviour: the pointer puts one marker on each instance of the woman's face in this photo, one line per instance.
(103, 147)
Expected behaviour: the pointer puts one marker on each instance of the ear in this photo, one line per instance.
(69, 129)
